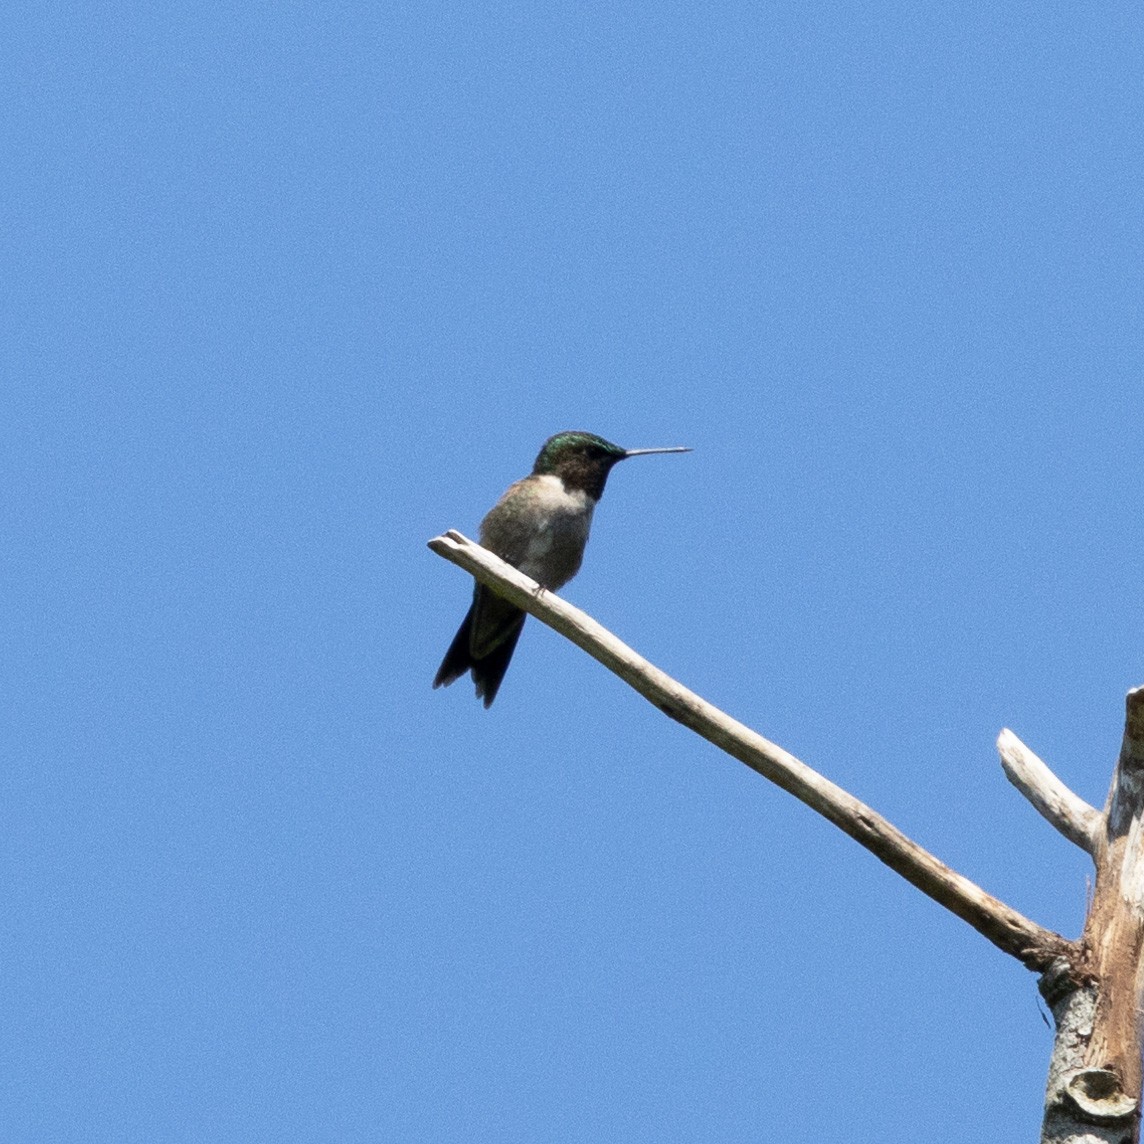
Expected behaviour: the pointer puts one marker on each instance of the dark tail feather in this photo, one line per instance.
(457, 659)
(488, 672)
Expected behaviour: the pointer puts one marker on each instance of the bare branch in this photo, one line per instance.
(1010, 931)
(1068, 812)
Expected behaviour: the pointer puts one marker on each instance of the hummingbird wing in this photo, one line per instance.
(490, 667)
(494, 620)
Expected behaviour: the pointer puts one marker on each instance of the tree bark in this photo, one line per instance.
(1093, 1091)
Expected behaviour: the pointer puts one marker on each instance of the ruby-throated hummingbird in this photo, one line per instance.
(540, 525)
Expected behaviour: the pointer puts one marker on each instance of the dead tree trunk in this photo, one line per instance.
(1093, 986)
(1093, 1091)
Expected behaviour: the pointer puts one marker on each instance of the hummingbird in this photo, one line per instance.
(540, 525)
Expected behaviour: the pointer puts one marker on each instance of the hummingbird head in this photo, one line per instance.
(583, 460)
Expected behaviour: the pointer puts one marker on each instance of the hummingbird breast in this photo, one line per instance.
(540, 527)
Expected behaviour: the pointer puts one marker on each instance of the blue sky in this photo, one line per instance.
(290, 289)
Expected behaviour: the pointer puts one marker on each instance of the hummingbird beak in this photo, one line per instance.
(644, 452)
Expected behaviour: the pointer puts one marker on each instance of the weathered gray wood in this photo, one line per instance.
(1080, 1107)
(1068, 812)
(1093, 1093)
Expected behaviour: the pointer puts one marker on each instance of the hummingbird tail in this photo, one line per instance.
(457, 659)
(488, 671)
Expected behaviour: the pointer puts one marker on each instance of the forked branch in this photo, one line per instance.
(1010, 931)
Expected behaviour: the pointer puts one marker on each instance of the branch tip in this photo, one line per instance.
(1052, 800)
